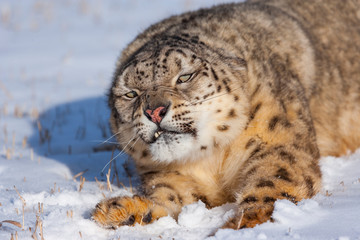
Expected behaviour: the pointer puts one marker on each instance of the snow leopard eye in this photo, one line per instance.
(184, 78)
(131, 94)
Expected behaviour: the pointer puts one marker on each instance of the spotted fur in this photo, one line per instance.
(235, 103)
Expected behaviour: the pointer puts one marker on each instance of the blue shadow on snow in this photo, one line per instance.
(73, 134)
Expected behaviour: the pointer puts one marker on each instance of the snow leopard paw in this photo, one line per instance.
(126, 211)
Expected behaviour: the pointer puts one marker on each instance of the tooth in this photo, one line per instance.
(158, 133)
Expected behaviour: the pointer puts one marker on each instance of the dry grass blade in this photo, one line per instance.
(41, 207)
(34, 113)
(109, 173)
(23, 207)
(18, 112)
(41, 229)
(12, 236)
(82, 182)
(5, 90)
(121, 184)
(79, 174)
(24, 142)
(240, 220)
(328, 194)
(38, 225)
(21, 198)
(99, 184)
(34, 236)
(53, 190)
(70, 214)
(108, 180)
(15, 223)
(42, 140)
(8, 153)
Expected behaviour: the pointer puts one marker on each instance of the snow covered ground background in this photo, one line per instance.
(56, 62)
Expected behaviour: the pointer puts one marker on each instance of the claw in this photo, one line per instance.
(147, 218)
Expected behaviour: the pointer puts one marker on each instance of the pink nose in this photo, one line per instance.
(156, 115)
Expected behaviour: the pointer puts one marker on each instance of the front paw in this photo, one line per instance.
(121, 211)
(250, 217)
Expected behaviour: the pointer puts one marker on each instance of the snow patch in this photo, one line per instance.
(197, 215)
(289, 214)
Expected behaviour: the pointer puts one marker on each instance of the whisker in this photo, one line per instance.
(121, 152)
(107, 140)
(98, 141)
(103, 142)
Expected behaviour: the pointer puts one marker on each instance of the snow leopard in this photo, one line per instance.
(235, 104)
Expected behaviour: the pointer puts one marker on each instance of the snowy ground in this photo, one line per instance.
(56, 62)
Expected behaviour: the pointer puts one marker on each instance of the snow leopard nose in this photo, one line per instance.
(156, 115)
(156, 105)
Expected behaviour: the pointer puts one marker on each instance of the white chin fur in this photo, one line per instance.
(167, 149)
